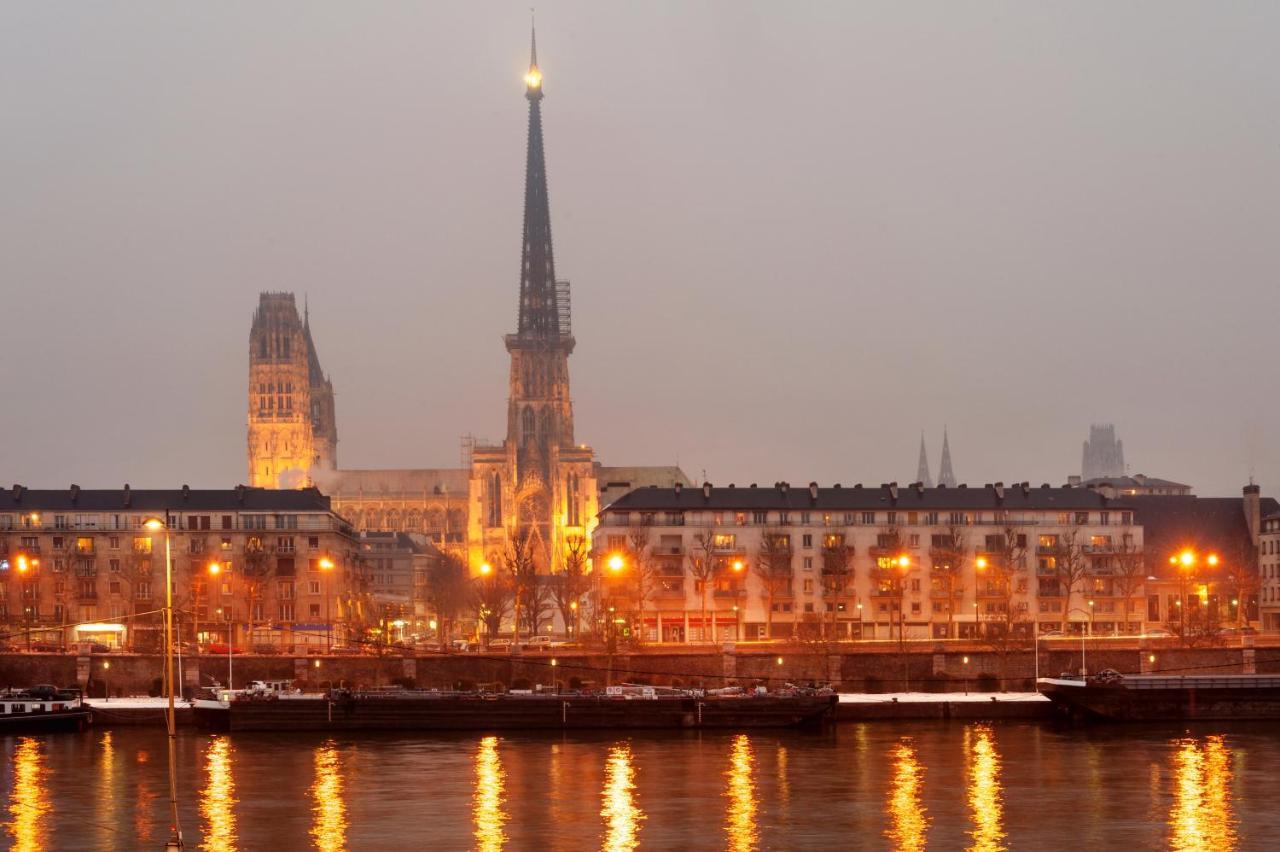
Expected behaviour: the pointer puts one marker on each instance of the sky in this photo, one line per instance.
(799, 234)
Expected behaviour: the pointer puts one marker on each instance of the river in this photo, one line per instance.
(881, 785)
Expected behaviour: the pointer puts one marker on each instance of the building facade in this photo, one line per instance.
(1269, 572)
(857, 562)
(293, 431)
(251, 566)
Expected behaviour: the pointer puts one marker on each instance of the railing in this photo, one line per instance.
(669, 550)
(741, 593)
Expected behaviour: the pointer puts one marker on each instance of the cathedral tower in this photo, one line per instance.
(539, 482)
(292, 428)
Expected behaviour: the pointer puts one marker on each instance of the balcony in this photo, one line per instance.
(742, 593)
(84, 549)
(1111, 547)
(668, 550)
(84, 596)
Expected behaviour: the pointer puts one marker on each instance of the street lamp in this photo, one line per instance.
(326, 566)
(175, 829)
(106, 684)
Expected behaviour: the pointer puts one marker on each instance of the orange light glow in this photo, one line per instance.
(1187, 558)
(214, 569)
(326, 564)
(1213, 559)
(981, 563)
(737, 565)
(615, 562)
(486, 569)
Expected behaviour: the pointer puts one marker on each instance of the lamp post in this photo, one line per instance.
(213, 569)
(326, 566)
(25, 564)
(106, 683)
(1084, 669)
(175, 829)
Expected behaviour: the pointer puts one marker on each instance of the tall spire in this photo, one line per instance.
(946, 476)
(922, 469)
(539, 302)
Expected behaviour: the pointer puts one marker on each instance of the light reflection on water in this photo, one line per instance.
(218, 798)
(740, 815)
(29, 806)
(487, 800)
(328, 806)
(984, 791)
(1202, 817)
(977, 786)
(907, 821)
(621, 813)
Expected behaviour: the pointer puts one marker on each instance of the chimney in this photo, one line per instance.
(706, 491)
(919, 487)
(782, 487)
(813, 491)
(893, 491)
(678, 486)
(186, 492)
(1252, 505)
(75, 492)
(999, 489)
(1073, 482)
(128, 496)
(17, 493)
(240, 489)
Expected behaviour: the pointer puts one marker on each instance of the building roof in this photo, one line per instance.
(857, 498)
(1136, 481)
(405, 482)
(239, 499)
(1204, 524)
(663, 476)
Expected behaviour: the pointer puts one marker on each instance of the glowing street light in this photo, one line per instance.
(485, 569)
(737, 565)
(616, 562)
(175, 830)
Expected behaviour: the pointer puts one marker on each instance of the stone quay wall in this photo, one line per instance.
(855, 669)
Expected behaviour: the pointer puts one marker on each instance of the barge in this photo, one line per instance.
(42, 709)
(1112, 696)
(413, 710)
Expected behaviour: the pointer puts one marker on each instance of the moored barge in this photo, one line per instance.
(412, 710)
(1147, 698)
(41, 709)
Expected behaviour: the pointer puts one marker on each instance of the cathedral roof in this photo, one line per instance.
(406, 482)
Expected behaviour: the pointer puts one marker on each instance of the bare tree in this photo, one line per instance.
(569, 586)
(1131, 574)
(519, 564)
(773, 566)
(888, 571)
(947, 553)
(1009, 627)
(492, 595)
(703, 561)
(837, 572)
(449, 591)
(1070, 567)
(1239, 572)
(642, 564)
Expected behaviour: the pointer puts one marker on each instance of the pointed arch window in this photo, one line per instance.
(495, 499)
(573, 504)
(526, 425)
(544, 425)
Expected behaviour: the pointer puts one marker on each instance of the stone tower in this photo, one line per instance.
(922, 467)
(946, 476)
(292, 428)
(538, 482)
(1103, 454)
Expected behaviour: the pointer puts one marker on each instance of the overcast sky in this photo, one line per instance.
(798, 233)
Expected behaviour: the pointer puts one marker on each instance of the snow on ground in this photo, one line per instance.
(935, 697)
(136, 702)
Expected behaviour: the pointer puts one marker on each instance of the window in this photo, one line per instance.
(868, 517)
(1082, 518)
(759, 517)
(808, 563)
(142, 591)
(807, 540)
(313, 542)
(724, 541)
(314, 610)
(784, 517)
(808, 586)
(113, 542)
(314, 587)
(804, 517)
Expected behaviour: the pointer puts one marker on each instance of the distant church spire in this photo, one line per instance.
(946, 476)
(540, 311)
(922, 469)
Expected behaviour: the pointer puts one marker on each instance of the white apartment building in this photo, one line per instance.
(857, 562)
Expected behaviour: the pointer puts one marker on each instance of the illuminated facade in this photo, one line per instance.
(293, 431)
(264, 566)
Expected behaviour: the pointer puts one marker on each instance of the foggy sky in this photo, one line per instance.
(798, 233)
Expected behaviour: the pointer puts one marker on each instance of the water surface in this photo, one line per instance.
(878, 786)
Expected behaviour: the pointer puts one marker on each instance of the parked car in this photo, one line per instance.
(46, 647)
(1239, 631)
(1158, 633)
(345, 651)
(224, 649)
(499, 645)
(1052, 634)
(463, 645)
(538, 643)
(270, 650)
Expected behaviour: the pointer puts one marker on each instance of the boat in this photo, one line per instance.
(423, 710)
(42, 709)
(1112, 696)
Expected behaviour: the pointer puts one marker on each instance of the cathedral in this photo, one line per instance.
(538, 480)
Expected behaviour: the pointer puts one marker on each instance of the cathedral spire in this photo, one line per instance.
(922, 469)
(540, 309)
(946, 476)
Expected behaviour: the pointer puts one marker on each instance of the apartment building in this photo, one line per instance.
(250, 565)
(1269, 572)
(858, 562)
